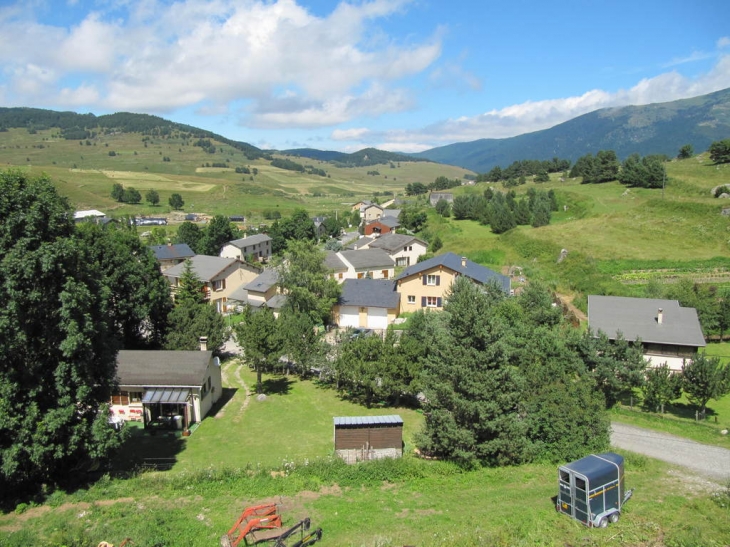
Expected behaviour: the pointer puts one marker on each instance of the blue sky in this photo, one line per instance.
(401, 75)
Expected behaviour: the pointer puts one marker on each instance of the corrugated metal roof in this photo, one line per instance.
(368, 420)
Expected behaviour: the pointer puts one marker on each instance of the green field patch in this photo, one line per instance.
(214, 170)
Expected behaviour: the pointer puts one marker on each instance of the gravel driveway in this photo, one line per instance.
(710, 461)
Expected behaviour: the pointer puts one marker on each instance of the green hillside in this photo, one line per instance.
(660, 128)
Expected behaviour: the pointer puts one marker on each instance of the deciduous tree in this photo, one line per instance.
(704, 379)
(176, 201)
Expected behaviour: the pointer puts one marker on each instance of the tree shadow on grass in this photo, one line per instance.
(280, 385)
(146, 450)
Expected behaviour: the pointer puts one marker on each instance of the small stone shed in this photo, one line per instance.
(361, 438)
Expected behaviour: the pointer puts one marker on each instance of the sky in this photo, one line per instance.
(399, 75)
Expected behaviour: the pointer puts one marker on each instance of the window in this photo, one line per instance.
(402, 261)
(339, 275)
(385, 274)
(360, 275)
(432, 301)
(121, 398)
(411, 299)
(433, 279)
(219, 285)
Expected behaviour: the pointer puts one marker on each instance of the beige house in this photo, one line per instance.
(257, 246)
(669, 333)
(166, 389)
(220, 276)
(372, 212)
(423, 285)
(171, 254)
(367, 303)
(367, 263)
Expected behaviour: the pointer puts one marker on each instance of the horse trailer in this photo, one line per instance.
(591, 490)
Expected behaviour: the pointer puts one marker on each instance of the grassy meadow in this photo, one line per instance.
(279, 450)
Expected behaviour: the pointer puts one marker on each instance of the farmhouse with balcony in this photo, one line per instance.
(423, 285)
(257, 246)
(668, 332)
(367, 303)
(220, 277)
(170, 389)
(171, 254)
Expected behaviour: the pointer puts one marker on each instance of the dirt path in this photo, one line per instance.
(231, 372)
(567, 301)
(709, 461)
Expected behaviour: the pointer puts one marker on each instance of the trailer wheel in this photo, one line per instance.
(603, 522)
(613, 517)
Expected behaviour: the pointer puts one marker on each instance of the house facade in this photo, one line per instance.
(171, 254)
(367, 303)
(220, 277)
(404, 249)
(435, 197)
(424, 285)
(257, 246)
(668, 332)
(361, 264)
(173, 389)
(382, 226)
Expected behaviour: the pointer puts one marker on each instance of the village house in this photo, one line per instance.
(220, 277)
(262, 291)
(367, 303)
(668, 332)
(171, 254)
(381, 226)
(257, 246)
(368, 263)
(166, 389)
(435, 197)
(423, 285)
(404, 249)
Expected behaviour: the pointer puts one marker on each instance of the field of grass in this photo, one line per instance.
(279, 450)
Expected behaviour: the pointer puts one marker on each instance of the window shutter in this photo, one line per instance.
(423, 301)
(438, 302)
(424, 279)
(438, 280)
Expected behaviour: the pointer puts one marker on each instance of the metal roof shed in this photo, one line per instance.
(368, 437)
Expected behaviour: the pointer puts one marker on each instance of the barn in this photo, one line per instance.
(362, 438)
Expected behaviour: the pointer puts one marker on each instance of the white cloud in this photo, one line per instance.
(691, 58)
(354, 134)
(536, 115)
(160, 56)
(723, 42)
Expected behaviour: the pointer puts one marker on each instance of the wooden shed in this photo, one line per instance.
(359, 438)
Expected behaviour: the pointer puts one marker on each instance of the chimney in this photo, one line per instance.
(203, 343)
(660, 316)
(463, 262)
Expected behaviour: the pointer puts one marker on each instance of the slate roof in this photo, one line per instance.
(368, 258)
(162, 368)
(637, 318)
(172, 252)
(452, 261)
(392, 242)
(390, 222)
(205, 267)
(367, 420)
(264, 281)
(391, 213)
(374, 293)
(361, 242)
(250, 240)
(333, 262)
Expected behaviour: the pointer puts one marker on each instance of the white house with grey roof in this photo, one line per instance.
(668, 332)
(367, 303)
(404, 249)
(220, 277)
(257, 246)
(262, 291)
(169, 389)
(367, 263)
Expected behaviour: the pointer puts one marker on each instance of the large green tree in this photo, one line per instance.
(59, 354)
(136, 295)
(720, 151)
(258, 335)
(217, 233)
(704, 379)
(308, 286)
(662, 386)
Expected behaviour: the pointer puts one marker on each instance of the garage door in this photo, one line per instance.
(349, 316)
(377, 318)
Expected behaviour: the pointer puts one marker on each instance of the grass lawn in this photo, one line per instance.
(279, 450)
